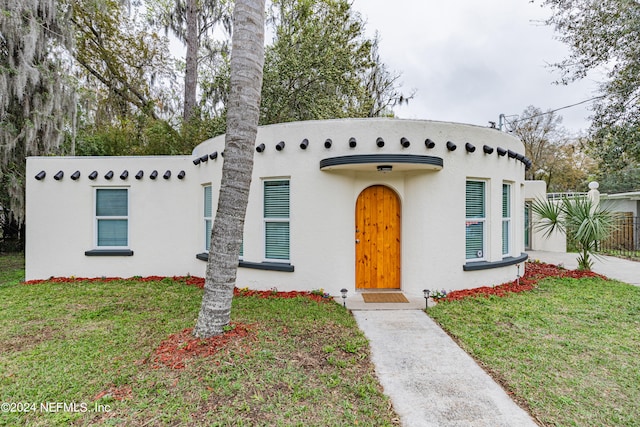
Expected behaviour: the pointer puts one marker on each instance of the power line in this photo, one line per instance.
(511, 122)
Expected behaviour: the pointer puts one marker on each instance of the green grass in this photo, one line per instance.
(569, 350)
(11, 268)
(306, 364)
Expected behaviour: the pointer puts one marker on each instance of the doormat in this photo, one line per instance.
(384, 297)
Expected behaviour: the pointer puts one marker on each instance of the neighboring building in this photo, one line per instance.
(623, 202)
(358, 204)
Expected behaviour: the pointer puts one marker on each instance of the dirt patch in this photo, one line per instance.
(25, 342)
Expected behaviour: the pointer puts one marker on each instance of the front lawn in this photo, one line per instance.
(97, 347)
(569, 350)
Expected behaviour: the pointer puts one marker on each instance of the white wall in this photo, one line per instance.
(164, 224)
(557, 241)
(166, 215)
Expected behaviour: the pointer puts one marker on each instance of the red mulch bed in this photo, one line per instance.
(179, 347)
(188, 280)
(534, 272)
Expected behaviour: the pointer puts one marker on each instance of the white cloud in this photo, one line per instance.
(471, 61)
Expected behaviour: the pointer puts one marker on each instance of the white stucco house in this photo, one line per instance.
(359, 204)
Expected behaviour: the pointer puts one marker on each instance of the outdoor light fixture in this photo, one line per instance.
(426, 293)
(384, 168)
(429, 143)
(470, 147)
(343, 291)
(280, 146)
(487, 149)
(352, 142)
(40, 176)
(380, 142)
(260, 148)
(93, 175)
(405, 142)
(327, 143)
(518, 276)
(109, 175)
(154, 174)
(304, 144)
(140, 174)
(451, 146)
(124, 175)
(167, 175)
(58, 176)
(181, 174)
(213, 155)
(75, 175)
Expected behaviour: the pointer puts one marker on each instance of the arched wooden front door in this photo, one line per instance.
(378, 239)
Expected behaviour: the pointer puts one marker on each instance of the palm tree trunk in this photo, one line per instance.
(191, 59)
(247, 60)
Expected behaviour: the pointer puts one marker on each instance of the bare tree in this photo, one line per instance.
(541, 133)
(247, 60)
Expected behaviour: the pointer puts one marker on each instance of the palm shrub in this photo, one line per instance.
(580, 218)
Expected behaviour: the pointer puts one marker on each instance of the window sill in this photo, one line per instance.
(269, 266)
(109, 252)
(486, 265)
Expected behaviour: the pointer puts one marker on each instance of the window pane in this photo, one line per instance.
(112, 232)
(207, 201)
(111, 202)
(277, 240)
(527, 228)
(475, 236)
(475, 199)
(506, 200)
(276, 199)
(505, 237)
(207, 233)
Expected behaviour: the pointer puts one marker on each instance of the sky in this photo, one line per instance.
(470, 61)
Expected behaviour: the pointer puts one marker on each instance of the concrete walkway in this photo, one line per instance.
(614, 268)
(431, 381)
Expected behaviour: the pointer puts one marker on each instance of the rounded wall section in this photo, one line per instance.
(322, 199)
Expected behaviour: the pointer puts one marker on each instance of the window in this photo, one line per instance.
(112, 217)
(527, 225)
(207, 217)
(506, 219)
(475, 220)
(276, 219)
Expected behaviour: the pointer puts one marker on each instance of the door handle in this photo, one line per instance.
(357, 240)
